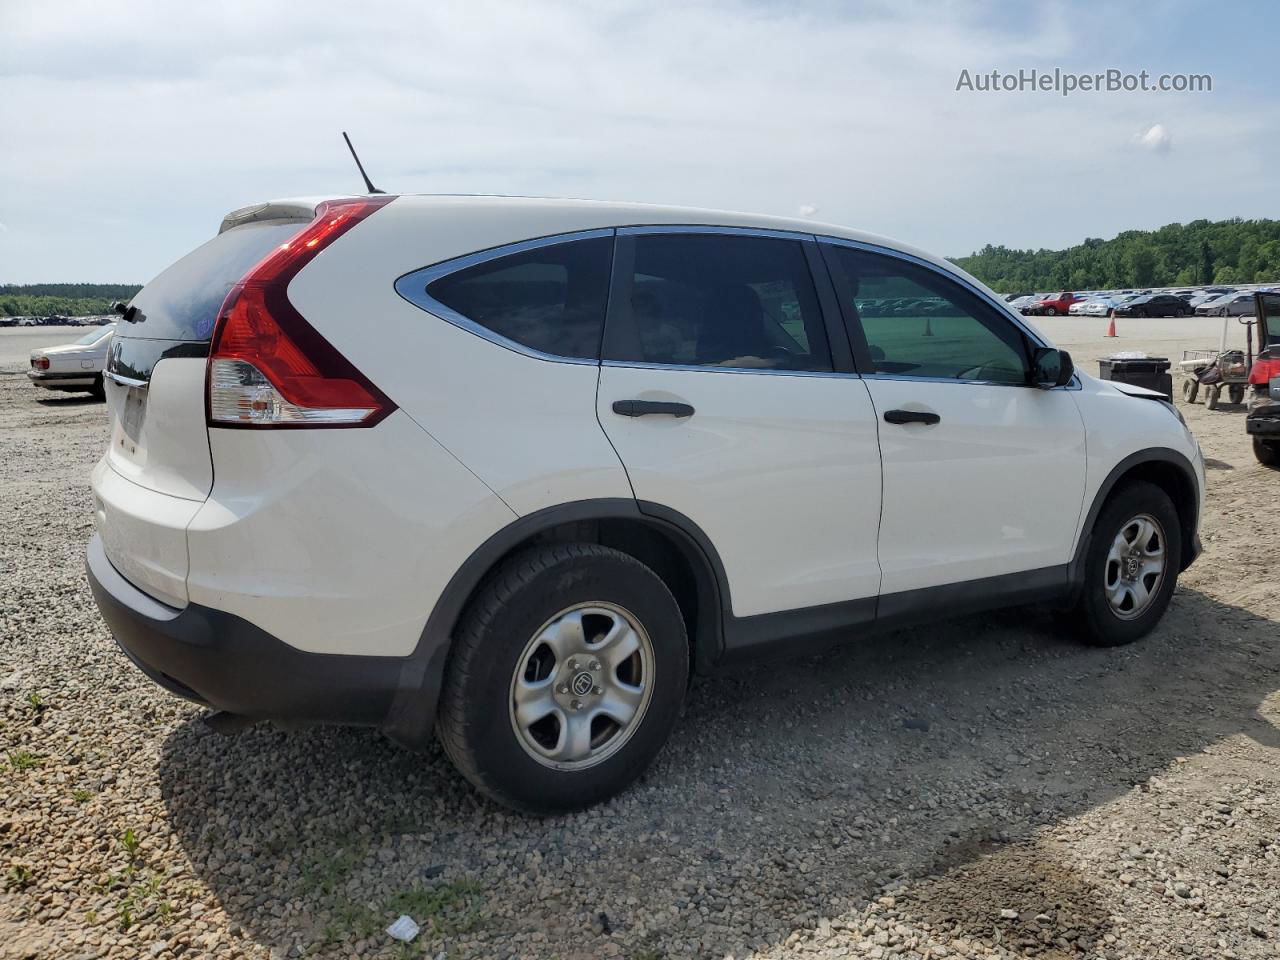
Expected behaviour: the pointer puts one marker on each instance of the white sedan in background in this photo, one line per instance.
(73, 366)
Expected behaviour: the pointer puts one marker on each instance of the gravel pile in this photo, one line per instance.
(983, 788)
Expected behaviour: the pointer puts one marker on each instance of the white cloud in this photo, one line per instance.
(1155, 138)
(807, 210)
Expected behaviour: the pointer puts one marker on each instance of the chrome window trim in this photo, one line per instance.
(658, 229)
(695, 368)
(412, 286)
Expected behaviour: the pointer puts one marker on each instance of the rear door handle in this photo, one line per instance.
(910, 416)
(643, 408)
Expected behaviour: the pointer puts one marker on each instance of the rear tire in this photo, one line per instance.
(545, 632)
(1235, 393)
(1267, 452)
(1212, 395)
(98, 391)
(1131, 566)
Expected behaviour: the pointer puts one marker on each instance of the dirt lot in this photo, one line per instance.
(985, 787)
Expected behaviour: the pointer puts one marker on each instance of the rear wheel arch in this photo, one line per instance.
(1165, 468)
(666, 541)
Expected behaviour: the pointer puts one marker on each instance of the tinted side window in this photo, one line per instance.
(919, 323)
(716, 300)
(551, 299)
(182, 302)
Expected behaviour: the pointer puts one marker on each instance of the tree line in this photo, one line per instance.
(1178, 255)
(62, 299)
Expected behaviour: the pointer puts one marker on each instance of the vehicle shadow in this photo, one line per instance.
(74, 400)
(790, 792)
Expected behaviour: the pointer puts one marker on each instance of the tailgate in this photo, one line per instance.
(157, 469)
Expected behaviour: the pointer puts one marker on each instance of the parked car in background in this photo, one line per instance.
(538, 580)
(74, 366)
(1154, 305)
(1101, 306)
(1228, 305)
(1053, 305)
(1022, 303)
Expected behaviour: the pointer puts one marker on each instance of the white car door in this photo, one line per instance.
(718, 391)
(984, 474)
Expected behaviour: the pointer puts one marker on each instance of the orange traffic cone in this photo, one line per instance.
(1111, 327)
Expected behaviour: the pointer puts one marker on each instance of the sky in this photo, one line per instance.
(128, 129)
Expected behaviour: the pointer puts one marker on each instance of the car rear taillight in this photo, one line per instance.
(268, 367)
(40, 363)
(1264, 369)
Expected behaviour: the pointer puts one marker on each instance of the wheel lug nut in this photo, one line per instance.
(597, 690)
(595, 664)
(576, 704)
(573, 664)
(563, 688)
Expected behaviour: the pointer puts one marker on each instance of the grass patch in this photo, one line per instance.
(81, 795)
(131, 842)
(324, 873)
(446, 909)
(18, 877)
(24, 760)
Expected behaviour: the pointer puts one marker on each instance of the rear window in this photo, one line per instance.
(182, 302)
(551, 299)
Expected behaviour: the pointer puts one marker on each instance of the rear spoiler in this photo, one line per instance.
(302, 209)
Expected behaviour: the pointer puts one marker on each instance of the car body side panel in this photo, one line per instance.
(336, 541)
(1118, 426)
(525, 426)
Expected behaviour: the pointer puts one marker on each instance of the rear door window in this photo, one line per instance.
(182, 302)
(716, 300)
(550, 299)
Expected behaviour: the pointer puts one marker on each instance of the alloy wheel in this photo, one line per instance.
(581, 686)
(1135, 567)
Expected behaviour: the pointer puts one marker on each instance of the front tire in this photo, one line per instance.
(98, 391)
(1267, 452)
(1131, 566)
(567, 676)
(1190, 389)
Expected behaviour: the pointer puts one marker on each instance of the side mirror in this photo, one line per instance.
(1051, 368)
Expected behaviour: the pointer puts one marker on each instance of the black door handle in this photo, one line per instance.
(910, 416)
(642, 408)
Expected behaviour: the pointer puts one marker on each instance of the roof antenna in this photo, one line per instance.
(367, 182)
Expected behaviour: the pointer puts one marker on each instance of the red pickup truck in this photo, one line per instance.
(1056, 305)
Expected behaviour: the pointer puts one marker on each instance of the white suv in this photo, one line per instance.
(515, 469)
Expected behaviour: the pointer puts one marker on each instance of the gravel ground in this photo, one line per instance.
(982, 788)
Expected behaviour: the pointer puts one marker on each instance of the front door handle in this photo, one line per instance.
(910, 416)
(643, 408)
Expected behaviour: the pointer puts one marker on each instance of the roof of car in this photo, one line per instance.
(547, 216)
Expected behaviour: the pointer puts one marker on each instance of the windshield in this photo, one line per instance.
(95, 335)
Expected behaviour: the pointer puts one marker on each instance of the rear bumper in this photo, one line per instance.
(1263, 421)
(62, 381)
(222, 661)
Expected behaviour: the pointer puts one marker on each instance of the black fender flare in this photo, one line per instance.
(412, 714)
(1151, 455)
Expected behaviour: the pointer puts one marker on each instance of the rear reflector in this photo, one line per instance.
(268, 367)
(40, 363)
